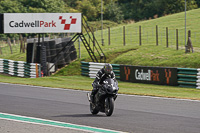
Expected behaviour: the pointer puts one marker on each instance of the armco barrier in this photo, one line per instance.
(20, 68)
(85, 68)
(90, 69)
(187, 77)
(198, 79)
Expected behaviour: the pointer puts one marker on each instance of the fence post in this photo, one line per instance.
(21, 43)
(1, 47)
(124, 35)
(176, 39)
(108, 35)
(167, 41)
(157, 35)
(140, 37)
(9, 43)
(14, 42)
(24, 47)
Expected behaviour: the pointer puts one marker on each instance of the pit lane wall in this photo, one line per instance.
(20, 68)
(183, 77)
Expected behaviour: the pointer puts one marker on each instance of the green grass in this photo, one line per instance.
(149, 54)
(173, 22)
(73, 69)
(159, 56)
(97, 24)
(132, 54)
(16, 55)
(85, 83)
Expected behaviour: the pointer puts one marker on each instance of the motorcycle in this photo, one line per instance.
(104, 98)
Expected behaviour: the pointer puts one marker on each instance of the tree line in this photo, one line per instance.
(113, 10)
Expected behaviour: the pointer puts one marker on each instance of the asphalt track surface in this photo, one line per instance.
(7, 126)
(137, 114)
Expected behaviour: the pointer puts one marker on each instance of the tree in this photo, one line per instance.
(175, 6)
(113, 12)
(11, 6)
(37, 6)
(143, 9)
(71, 3)
(89, 8)
(198, 2)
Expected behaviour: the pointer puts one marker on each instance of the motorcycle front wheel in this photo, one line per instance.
(93, 109)
(109, 106)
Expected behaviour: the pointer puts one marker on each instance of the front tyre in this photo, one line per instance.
(93, 109)
(109, 106)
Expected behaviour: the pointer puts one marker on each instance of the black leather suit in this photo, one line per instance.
(100, 77)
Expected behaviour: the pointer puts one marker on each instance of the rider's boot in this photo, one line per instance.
(93, 94)
(94, 91)
(92, 98)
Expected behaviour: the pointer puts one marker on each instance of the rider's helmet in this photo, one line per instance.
(108, 68)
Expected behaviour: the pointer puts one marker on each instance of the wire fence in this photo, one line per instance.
(120, 36)
(166, 36)
(12, 46)
(8, 48)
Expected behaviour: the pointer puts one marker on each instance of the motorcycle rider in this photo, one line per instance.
(102, 74)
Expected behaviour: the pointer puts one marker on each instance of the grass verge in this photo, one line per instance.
(84, 83)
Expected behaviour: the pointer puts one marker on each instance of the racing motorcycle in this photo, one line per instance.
(104, 98)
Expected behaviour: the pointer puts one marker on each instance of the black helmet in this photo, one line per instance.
(108, 68)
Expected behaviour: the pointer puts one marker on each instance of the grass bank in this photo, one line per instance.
(159, 56)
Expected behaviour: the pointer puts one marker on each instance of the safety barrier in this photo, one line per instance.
(187, 77)
(198, 79)
(20, 68)
(90, 69)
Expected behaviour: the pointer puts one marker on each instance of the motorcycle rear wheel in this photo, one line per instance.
(93, 109)
(109, 106)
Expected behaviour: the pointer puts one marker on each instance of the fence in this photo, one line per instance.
(143, 35)
(10, 46)
(20, 68)
(121, 36)
(186, 77)
(124, 35)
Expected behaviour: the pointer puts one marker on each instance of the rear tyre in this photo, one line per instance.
(109, 106)
(93, 109)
